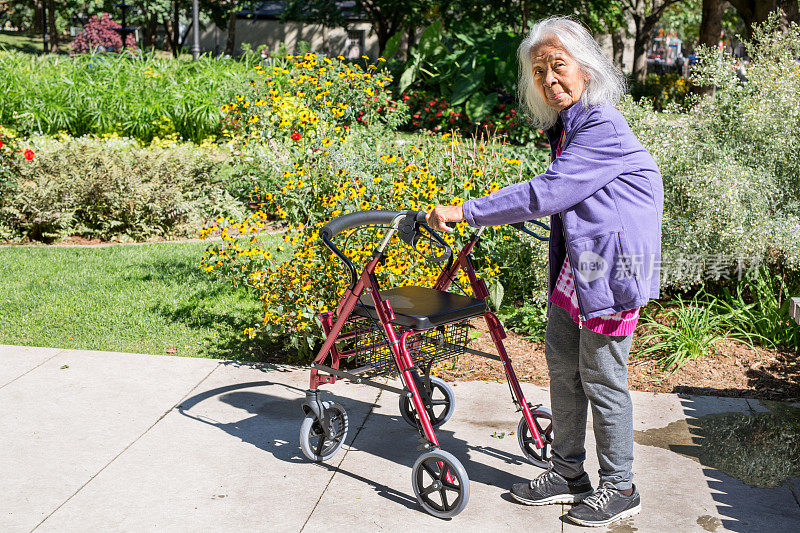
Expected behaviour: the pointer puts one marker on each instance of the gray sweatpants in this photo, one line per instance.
(589, 368)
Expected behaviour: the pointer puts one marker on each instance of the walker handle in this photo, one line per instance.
(521, 227)
(363, 218)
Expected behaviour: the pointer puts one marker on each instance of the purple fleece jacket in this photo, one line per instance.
(605, 199)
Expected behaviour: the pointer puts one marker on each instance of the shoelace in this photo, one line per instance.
(599, 498)
(536, 482)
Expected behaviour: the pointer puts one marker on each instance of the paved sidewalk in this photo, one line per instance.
(122, 442)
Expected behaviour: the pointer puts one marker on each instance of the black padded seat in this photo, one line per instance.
(422, 308)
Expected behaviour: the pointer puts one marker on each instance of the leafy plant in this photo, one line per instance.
(529, 320)
(681, 333)
(758, 307)
(690, 329)
(462, 66)
(475, 74)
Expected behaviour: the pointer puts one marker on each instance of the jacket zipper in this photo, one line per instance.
(561, 140)
(577, 295)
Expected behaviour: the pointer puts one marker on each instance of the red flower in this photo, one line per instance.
(29, 154)
(1, 144)
(296, 136)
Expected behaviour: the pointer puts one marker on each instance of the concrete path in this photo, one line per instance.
(95, 441)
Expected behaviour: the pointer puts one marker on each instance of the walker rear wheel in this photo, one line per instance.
(543, 418)
(443, 403)
(440, 483)
(318, 446)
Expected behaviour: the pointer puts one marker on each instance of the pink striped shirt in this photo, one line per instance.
(564, 296)
(621, 323)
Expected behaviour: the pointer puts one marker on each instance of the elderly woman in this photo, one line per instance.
(604, 195)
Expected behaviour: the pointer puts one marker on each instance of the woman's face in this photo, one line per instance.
(556, 75)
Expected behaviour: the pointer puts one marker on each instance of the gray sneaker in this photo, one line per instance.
(604, 506)
(552, 487)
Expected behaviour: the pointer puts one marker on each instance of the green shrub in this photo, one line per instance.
(758, 122)
(731, 165)
(662, 90)
(114, 189)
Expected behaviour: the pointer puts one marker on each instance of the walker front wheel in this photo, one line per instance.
(543, 418)
(318, 446)
(440, 409)
(440, 483)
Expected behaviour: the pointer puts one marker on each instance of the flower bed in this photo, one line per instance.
(436, 114)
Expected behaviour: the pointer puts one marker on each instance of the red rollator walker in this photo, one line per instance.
(405, 331)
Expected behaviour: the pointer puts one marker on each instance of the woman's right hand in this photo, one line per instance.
(441, 215)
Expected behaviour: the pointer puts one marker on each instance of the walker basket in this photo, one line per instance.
(371, 349)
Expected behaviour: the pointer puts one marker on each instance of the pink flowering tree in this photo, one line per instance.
(99, 32)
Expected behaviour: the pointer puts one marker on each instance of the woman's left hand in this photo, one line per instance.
(441, 215)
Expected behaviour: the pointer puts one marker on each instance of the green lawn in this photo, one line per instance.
(149, 298)
(22, 42)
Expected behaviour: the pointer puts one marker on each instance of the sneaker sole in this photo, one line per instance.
(558, 498)
(624, 514)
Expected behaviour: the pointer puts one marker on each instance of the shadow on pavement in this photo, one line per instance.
(750, 459)
(272, 423)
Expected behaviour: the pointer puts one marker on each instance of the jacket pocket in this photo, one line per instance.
(602, 273)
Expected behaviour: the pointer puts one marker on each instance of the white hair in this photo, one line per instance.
(605, 84)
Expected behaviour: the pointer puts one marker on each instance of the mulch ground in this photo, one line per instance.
(734, 369)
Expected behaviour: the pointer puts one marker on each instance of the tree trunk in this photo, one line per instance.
(149, 31)
(383, 38)
(411, 37)
(230, 43)
(168, 40)
(51, 26)
(640, 57)
(525, 15)
(711, 23)
(176, 30)
(618, 47)
(640, 41)
(39, 16)
(757, 11)
(710, 33)
(791, 11)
